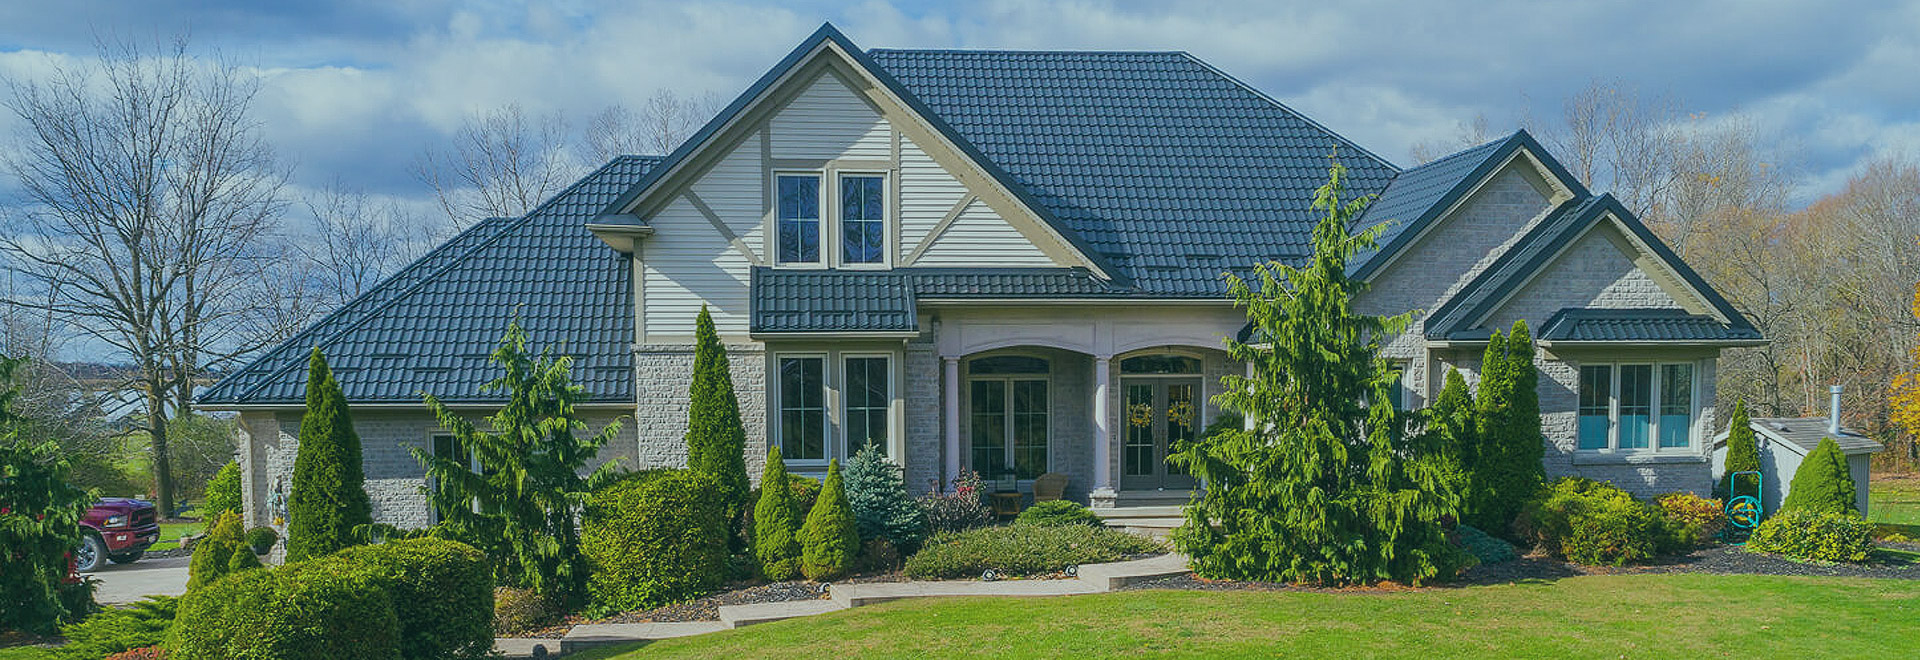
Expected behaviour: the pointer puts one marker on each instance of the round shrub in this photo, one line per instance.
(654, 538)
(1802, 534)
(261, 539)
(829, 542)
(1058, 512)
(213, 555)
(1589, 522)
(518, 611)
(1022, 550)
(1692, 521)
(1484, 547)
(1824, 482)
(322, 609)
(442, 593)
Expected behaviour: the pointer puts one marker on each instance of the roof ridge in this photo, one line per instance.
(1025, 51)
(504, 229)
(1296, 113)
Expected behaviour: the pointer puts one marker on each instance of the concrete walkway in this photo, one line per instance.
(126, 583)
(1091, 579)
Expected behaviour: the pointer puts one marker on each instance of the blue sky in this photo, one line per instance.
(356, 89)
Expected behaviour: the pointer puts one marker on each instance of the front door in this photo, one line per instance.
(1159, 414)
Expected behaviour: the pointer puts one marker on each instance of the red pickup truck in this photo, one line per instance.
(116, 528)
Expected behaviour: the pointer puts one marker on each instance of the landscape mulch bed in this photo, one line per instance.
(1721, 560)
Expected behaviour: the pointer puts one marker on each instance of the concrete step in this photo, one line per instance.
(740, 616)
(1135, 512)
(859, 595)
(1110, 576)
(590, 634)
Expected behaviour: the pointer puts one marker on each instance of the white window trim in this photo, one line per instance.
(823, 202)
(1694, 444)
(893, 394)
(777, 382)
(887, 221)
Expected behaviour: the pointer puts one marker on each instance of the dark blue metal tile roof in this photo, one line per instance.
(430, 327)
(1162, 166)
(887, 301)
(1639, 325)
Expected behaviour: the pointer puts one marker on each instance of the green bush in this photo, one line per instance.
(39, 526)
(803, 491)
(1484, 547)
(877, 556)
(829, 542)
(1820, 536)
(716, 439)
(442, 595)
(653, 538)
(1589, 522)
(1022, 550)
(1823, 484)
(1743, 455)
(518, 611)
(1504, 469)
(145, 623)
(1058, 512)
(220, 553)
(1692, 521)
(776, 542)
(321, 609)
(959, 510)
(878, 497)
(261, 539)
(329, 496)
(223, 492)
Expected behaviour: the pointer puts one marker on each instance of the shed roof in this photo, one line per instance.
(1805, 433)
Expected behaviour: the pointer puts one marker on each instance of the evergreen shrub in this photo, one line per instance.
(716, 439)
(877, 495)
(653, 538)
(1692, 521)
(1823, 484)
(1058, 512)
(114, 630)
(1743, 455)
(1486, 548)
(442, 595)
(1023, 550)
(1815, 535)
(1589, 522)
(316, 610)
(776, 542)
(828, 541)
(223, 492)
(329, 496)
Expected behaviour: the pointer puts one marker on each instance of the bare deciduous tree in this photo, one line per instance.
(355, 242)
(149, 197)
(661, 124)
(502, 164)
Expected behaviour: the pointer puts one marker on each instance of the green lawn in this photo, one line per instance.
(1895, 500)
(1636, 616)
(170, 534)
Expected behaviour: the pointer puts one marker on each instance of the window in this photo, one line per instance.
(868, 397)
(1008, 415)
(1160, 364)
(799, 219)
(1636, 407)
(863, 226)
(803, 412)
(448, 447)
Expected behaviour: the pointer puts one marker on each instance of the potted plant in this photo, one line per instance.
(261, 539)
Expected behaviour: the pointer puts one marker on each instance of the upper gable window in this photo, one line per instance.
(799, 218)
(863, 219)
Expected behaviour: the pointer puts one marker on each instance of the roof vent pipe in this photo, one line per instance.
(1833, 418)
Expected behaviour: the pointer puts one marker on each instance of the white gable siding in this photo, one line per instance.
(1595, 273)
(828, 120)
(978, 237)
(687, 263)
(732, 190)
(927, 193)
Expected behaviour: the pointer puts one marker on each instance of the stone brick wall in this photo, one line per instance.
(665, 376)
(925, 449)
(1594, 272)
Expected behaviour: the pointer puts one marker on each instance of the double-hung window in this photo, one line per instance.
(863, 225)
(803, 409)
(1636, 407)
(1008, 413)
(868, 396)
(798, 219)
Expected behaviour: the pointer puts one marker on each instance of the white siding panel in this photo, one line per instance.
(688, 263)
(732, 190)
(927, 192)
(828, 120)
(980, 238)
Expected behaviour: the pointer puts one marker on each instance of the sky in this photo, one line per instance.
(355, 90)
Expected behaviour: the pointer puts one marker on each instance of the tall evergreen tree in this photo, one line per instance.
(1452, 423)
(1823, 484)
(716, 439)
(1505, 468)
(1743, 455)
(1325, 487)
(329, 495)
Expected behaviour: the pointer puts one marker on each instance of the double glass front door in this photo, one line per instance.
(1158, 413)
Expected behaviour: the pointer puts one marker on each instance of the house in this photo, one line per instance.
(1785, 442)
(1007, 262)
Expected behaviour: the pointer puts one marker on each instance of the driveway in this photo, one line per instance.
(125, 583)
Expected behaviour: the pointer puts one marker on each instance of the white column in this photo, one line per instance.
(1102, 435)
(950, 390)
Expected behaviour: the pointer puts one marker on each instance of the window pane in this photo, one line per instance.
(803, 414)
(1636, 405)
(1007, 364)
(799, 219)
(862, 219)
(1137, 456)
(1183, 421)
(1596, 390)
(988, 406)
(1160, 364)
(1676, 405)
(1030, 428)
(867, 401)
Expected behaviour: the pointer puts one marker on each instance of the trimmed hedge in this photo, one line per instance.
(318, 610)
(1692, 521)
(1589, 522)
(1021, 550)
(1804, 534)
(442, 594)
(1058, 512)
(221, 553)
(829, 542)
(655, 537)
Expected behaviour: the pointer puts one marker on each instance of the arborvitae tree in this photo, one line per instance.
(329, 496)
(1743, 455)
(1326, 487)
(1823, 484)
(1506, 467)
(775, 532)
(521, 506)
(716, 439)
(223, 492)
(881, 507)
(1451, 423)
(218, 553)
(829, 542)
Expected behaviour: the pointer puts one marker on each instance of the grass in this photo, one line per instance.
(1638, 616)
(170, 535)
(1894, 499)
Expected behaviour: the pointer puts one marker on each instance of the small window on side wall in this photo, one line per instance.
(798, 218)
(863, 219)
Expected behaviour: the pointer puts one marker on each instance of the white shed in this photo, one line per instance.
(1785, 442)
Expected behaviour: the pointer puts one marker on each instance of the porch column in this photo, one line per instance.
(1102, 435)
(950, 394)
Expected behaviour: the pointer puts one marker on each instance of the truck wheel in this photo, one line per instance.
(128, 558)
(91, 555)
